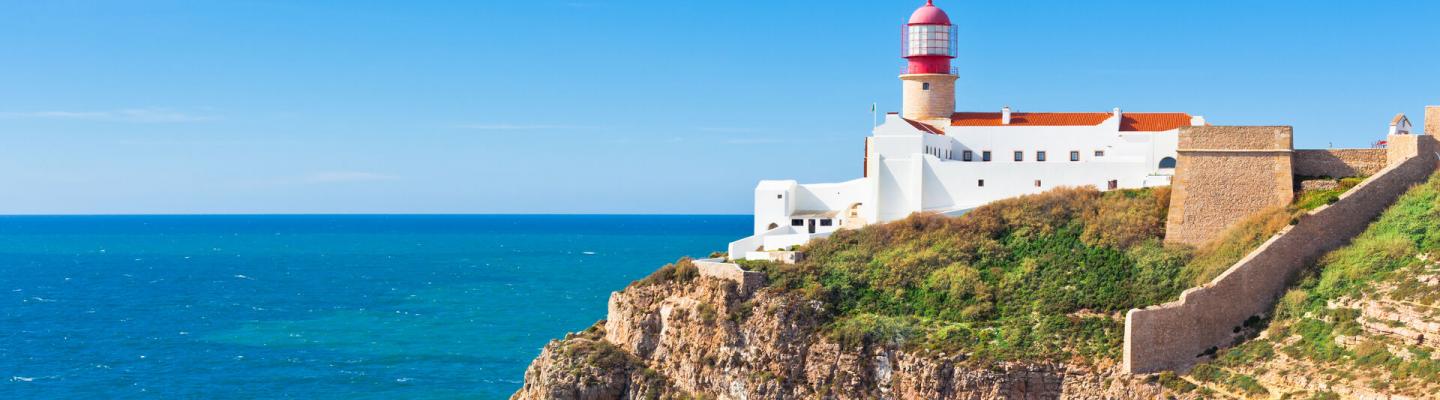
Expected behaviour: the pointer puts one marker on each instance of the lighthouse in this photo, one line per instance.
(928, 84)
(931, 157)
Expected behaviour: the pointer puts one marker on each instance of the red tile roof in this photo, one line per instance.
(924, 127)
(1131, 122)
(1153, 122)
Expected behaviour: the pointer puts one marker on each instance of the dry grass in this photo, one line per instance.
(1214, 257)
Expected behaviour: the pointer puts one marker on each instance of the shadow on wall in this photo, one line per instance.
(1338, 163)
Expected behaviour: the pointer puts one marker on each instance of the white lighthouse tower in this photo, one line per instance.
(928, 84)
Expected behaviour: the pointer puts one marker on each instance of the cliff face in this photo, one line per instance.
(701, 339)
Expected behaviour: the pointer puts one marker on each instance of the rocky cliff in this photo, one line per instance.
(701, 338)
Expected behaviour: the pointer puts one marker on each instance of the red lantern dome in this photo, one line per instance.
(929, 14)
(928, 41)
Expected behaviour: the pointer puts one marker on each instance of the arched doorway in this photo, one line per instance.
(1167, 163)
(772, 226)
(853, 220)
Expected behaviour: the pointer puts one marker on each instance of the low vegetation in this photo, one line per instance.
(683, 270)
(1041, 276)
(1215, 257)
(1315, 198)
(1316, 324)
(1044, 276)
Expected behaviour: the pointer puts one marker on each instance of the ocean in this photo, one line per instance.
(312, 307)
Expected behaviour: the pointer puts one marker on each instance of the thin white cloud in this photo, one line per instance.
(727, 130)
(140, 115)
(744, 141)
(345, 177)
(518, 127)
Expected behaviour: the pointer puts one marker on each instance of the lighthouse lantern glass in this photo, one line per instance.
(929, 40)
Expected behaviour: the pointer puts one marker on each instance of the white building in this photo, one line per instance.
(935, 159)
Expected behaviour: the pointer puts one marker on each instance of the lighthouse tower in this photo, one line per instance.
(928, 84)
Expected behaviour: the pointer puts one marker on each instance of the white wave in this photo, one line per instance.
(21, 379)
(243, 277)
(588, 253)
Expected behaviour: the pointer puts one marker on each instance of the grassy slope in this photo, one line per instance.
(1316, 332)
(1045, 276)
(1041, 276)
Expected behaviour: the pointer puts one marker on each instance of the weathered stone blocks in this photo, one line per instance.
(934, 105)
(1432, 120)
(1339, 163)
(1175, 335)
(1225, 173)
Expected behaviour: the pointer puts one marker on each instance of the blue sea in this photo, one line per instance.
(312, 307)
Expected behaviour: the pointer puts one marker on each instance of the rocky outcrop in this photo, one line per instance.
(703, 339)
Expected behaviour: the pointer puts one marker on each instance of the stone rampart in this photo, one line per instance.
(1225, 173)
(1175, 335)
(1338, 163)
(1432, 120)
(746, 281)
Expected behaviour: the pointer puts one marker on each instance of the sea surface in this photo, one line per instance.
(312, 307)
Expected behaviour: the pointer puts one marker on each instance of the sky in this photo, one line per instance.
(628, 107)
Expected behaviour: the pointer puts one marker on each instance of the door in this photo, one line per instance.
(812, 226)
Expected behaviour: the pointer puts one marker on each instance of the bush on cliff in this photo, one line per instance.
(1039, 276)
(683, 270)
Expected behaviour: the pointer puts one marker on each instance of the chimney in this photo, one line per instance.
(1005, 116)
(1197, 120)
(1116, 112)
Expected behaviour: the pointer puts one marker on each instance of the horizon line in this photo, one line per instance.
(380, 214)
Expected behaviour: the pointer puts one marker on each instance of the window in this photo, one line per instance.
(925, 86)
(1113, 184)
(982, 183)
(985, 156)
(1074, 156)
(825, 222)
(797, 222)
(968, 155)
(1099, 153)
(1037, 183)
(922, 40)
(1039, 156)
(779, 196)
(1019, 156)
(1167, 162)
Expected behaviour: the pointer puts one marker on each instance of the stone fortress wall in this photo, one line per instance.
(1338, 163)
(746, 282)
(1225, 173)
(1175, 335)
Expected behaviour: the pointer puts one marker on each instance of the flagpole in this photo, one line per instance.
(874, 118)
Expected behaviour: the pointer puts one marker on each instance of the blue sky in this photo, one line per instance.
(590, 106)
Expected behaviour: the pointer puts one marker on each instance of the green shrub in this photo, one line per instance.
(865, 329)
(707, 313)
(683, 270)
(999, 282)
(1249, 385)
(1175, 383)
